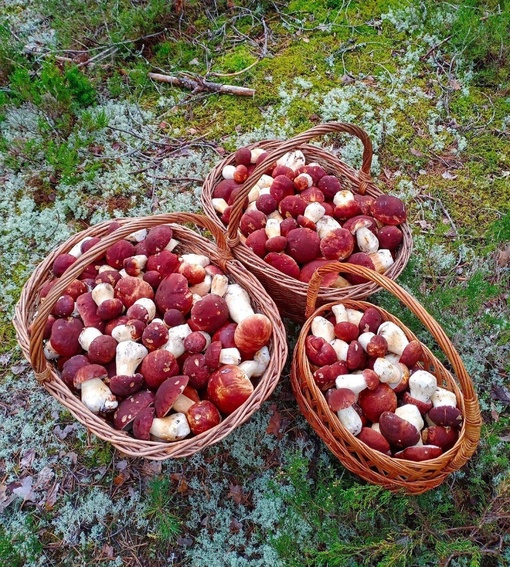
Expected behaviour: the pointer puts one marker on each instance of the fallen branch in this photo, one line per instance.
(198, 84)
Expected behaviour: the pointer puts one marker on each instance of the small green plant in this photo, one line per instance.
(166, 525)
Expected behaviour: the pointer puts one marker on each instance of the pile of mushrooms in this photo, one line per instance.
(298, 217)
(373, 379)
(158, 343)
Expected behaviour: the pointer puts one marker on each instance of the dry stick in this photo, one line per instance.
(197, 84)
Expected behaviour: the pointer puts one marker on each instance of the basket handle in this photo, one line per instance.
(286, 146)
(409, 301)
(128, 226)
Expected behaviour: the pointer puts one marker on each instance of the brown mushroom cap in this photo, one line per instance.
(158, 238)
(118, 252)
(125, 386)
(167, 393)
(109, 309)
(325, 376)
(228, 388)
(130, 407)
(356, 358)
(397, 431)
(173, 293)
(142, 424)
(102, 349)
(252, 333)
(89, 372)
(389, 210)
(370, 320)
(202, 416)
(303, 244)
(338, 244)
(61, 263)
(377, 346)
(71, 366)
(374, 440)
(444, 437)
(421, 453)
(197, 370)
(64, 336)
(329, 185)
(340, 398)
(157, 366)
(319, 351)
(375, 402)
(283, 263)
(447, 416)
(346, 331)
(210, 313)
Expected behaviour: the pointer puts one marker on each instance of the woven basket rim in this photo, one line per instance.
(271, 276)
(190, 240)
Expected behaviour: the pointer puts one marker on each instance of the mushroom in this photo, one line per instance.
(228, 388)
(173, 293)
(319, 351)
(389, 210)
(87, 335)
(283, 263)
(142, 424)
(375, 402)
(442, 436)
(71, 367)
(341, 401)
(347, 331)
(419, 453)
(337, 244)
(293, 160)
(95, 394)
(370, 320)
(176, 337)
(382, 260)
(87, 310)
(143, 309)
(367, 241)
(412, 353)
(238, 303)
(256, 367)
(252, 333)
(210, 313)
(341, 349)
(134, 265)
(118, 252)
(129, 354)
(155, 335)
(325, 225)
(374, 440)
(388, 372)
(292, 206)
(202, 416)
(346, 205)
(130, 408)
(399, 432)
(158, 238)
(170, 428)
(131, 330)
(321, 327)
(422, 385)
(444, 411)
(395, 337)
(164, 262)
(390, 237)
(64, 336)
(302, 181)
(170, 396)
(196, 368)
(357, 382)
(219, 284)
(303, 245)
(325, 376)
(196, 342)
(129, 289)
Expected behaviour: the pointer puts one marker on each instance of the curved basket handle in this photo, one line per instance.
(286, 146)
(128, 226)
(409, 301)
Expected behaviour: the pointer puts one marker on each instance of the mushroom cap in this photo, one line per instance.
(374, 440)
(360, 221)
(276, 244)
(266, 203)
(210, 313)
(292, 206)
(257, 242)
(389, 210)
(129, 289)
(370, 320)
(346, 331)
(287, 225)
(421, 453)
(252, 333)
(164, 262)
(319, 351)
(125, 386)
(325, 376)
(225, 335)
(196, 342)
(212, 354)
(102, 349)
(202, 416)
(197, 370)
(338, 244)
(313, 195)
(118, 252)
(173, 293)
(375, 402)
(157, 366)
(424, 407)
(303, 244)
(399, 432)
(359, 259)
(64, 336)
(109, 309)
(281, 187)
(340, 398)
(356, 358)
(89, 372)
(63, 307)
(173, 318)
(142, 424)
(71, 366)
(228, 388)
(242, 156)
(130, 407)
(309, 269)
(108, 276)
(448, 416)
(158, 238)
(412, 353)
(76, 288)
(283, 263)
(168, 392)
(251, 221)
(194, 273)
(224, 189)
(315, 171)
(377, 346)
(155, 335)
(444, 437)
(390, 237)
(61, 263)
(329, 185)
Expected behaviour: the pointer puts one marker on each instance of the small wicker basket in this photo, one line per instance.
(30, 312)
(375, 467)
(288, 293)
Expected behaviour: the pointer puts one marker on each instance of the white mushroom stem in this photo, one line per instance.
(412, 414)
(293, 159)
(375, 427)
(220, 205)
(256, 153)
(140, 259)
(219, 284)
(238, 303)
(321, 327)
(197, 259)
(170, 428)
(343, 197)
(275, 215)
(102, 292)
(394, 335)
(422, 385)
(124, 274)
(265, 181)
(382, 259)
(207, 338)
(129, 354)
(367, 240)
(325, 225)
(314, 212)
(388, 372)
(228, 172)
(202, 288)
(49, 352)
(183, 403)
(230, 355)
(76, 249)
(354, 382)
(149, 306)
(97, 397)
(176, 336)
(340, 347)
(350, 419)
(354, 316)
(87, 335)
(272, 228)
(340, 313)
(443, 397)
(364, 339)
(172, 244)
(257, 366)
(138, 235)
(254, 194)
(251, 207)
(124, 332)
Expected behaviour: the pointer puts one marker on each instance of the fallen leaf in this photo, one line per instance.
(236, 493)
(24, 490)
(235, 526)
(275, 423)
(5, 497)
(455, 85)
(28, 459)
(416, 153)
(505, 438)
(503, 258)
(501, 394)
(51, 497)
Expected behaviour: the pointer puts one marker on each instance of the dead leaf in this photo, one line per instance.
(51, 497)
(275, 423)
(235, 526)
(119, 480)
(236, 493)
(501, 394)
(24, 489)
(424, 225)
(505, 438)
(503, 258)
(28, 459)
(5, 497)
(455, 85)
(416, 153)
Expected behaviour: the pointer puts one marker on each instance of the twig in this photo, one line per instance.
(198, 84)
(236, 73)
(434, 47)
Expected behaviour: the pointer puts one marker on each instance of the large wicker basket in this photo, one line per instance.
(288, 293)
(375, 467)
(30, 312)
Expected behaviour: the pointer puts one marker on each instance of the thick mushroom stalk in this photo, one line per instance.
(257, 366)
(176, 337)
(395, 337)
(97, 397)
(341, 401)
(321, 327)
(170, 428)
(129, 354)
(238, 303)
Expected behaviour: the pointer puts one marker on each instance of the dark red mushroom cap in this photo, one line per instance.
(153, 278)
(346, 331)
(283, 263)
(223, 190)
(133, 265)
(194, 273)
(370, 320)
(173, 293)
(341, 398)
(281, 187)
(309, 269)
(87, 309)
(316, 172)
(360, 221)
(338, 244)
(108, 276)
(71, 366)
(64, 307)
(287, 225)
(399, 432)
(158, 238)
(325, 376)
(447, 416)
(292, 206)
(242, 156)
(155, 335)
(266, 203)
(346, 210)
(251, 221)
(210, 313)
(202, 416)
(283, 170)
(225, 335)
(319, 351)
(61, 263)
(102, 349)
(64, 336)
(375, 402)
(157, 366)
(195, 342)
(303, 245)
(173, 317)
(164, 262)
(130, 407)
(142, 424)
(424, 407)
(228, 388)
(197, 370)
(212, 354)
(377, 346)
(129, 289)
(359, 259)
(390, 237)
(125, 386)
(421, 453)
(89, 372)
(374, 440)
(412, 353)
(257, 242)
(276, 244)
(109, 309)
(118, 252)
(76, 288)
(365, 202)
(389, 210)
(356, 358)
(444, 437)
(167, 393)
(313, 195)
(329, 185)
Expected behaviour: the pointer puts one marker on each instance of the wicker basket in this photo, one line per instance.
(46, 373)
(375, 467)
(288, 293)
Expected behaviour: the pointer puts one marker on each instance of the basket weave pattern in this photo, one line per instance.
(30, 312)
(375, 467)
(288, 293)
